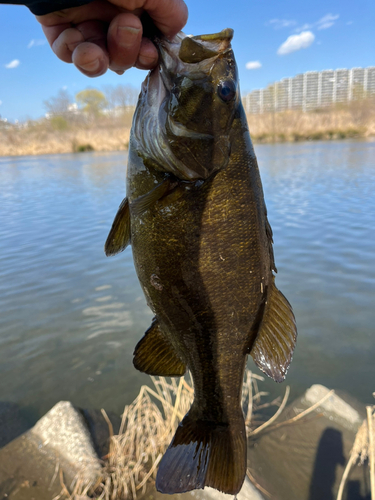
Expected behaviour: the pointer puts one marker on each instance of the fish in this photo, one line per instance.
(196, 219)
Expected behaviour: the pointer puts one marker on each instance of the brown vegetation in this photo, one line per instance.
(94, 129)
(355, 120)
(96, 122)
(147, 428)
(58, 135)
(149, 423)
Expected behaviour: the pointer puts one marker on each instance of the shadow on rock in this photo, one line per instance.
(354, 491)
(306, 459)
(329, 454)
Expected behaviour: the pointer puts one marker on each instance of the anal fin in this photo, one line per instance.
(154, 355)
(119, 235)
(273, 348)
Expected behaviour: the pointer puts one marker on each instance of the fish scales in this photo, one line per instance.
(202, 247)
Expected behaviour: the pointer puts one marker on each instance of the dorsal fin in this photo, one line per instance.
(274, 345)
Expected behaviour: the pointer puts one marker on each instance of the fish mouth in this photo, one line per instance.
(190, 55)
(183, 55)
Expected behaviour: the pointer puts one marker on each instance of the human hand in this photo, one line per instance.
(108, 34)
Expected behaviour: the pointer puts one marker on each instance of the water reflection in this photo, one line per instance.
(70, 317)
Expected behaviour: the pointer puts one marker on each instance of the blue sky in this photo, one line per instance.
(273, 38)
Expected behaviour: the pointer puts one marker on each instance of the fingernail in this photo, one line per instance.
(91, 66)
(120, 72)
(127, 36)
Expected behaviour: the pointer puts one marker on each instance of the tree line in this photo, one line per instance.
(114, 101)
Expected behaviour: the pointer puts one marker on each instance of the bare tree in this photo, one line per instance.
(59, 105)
(120, 98)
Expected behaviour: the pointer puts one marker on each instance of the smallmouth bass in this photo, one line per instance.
(202, 246)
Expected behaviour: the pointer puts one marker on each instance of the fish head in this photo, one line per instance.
(187, 106)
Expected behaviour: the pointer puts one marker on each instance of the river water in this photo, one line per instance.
(70, 317)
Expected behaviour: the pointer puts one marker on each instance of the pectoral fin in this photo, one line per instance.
(274, 345)
(146, 201)
(119, 235)
(154, 355)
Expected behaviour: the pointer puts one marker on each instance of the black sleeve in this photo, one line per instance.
(41, 7)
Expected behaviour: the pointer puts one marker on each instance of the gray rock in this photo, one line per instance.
(28, 472)
(334, 407)
(306, 460)
(30, 464)
(64, 430)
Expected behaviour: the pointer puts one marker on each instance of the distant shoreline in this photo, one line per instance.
(24, 142)
(288, 126)
(41, 149)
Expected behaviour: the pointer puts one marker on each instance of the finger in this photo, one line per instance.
(170, 16)
(148, 55)
(124, 41)
(64, 38)
(90, 59)
(65, 43)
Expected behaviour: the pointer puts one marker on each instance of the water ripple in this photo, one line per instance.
(70, 317)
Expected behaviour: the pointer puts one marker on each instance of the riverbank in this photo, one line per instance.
(60, 136)
(82, 454)
(295, 126)
(44, 141)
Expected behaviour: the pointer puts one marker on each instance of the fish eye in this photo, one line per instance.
(227, 90)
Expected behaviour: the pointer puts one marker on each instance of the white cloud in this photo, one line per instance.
(35, 43)
(349, 23)
(13, 64)
(296, 42)
(327, 21)
(1, 102)
(253, 65)
(304, 27)
(281, 23)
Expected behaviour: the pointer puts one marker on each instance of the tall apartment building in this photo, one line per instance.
(311, 90)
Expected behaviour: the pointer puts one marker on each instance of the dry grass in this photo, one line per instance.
(363, 450)
(42, 140)
(148, 425)
(327, 124)
(58, 135)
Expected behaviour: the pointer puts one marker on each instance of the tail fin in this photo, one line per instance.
(204, 454)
